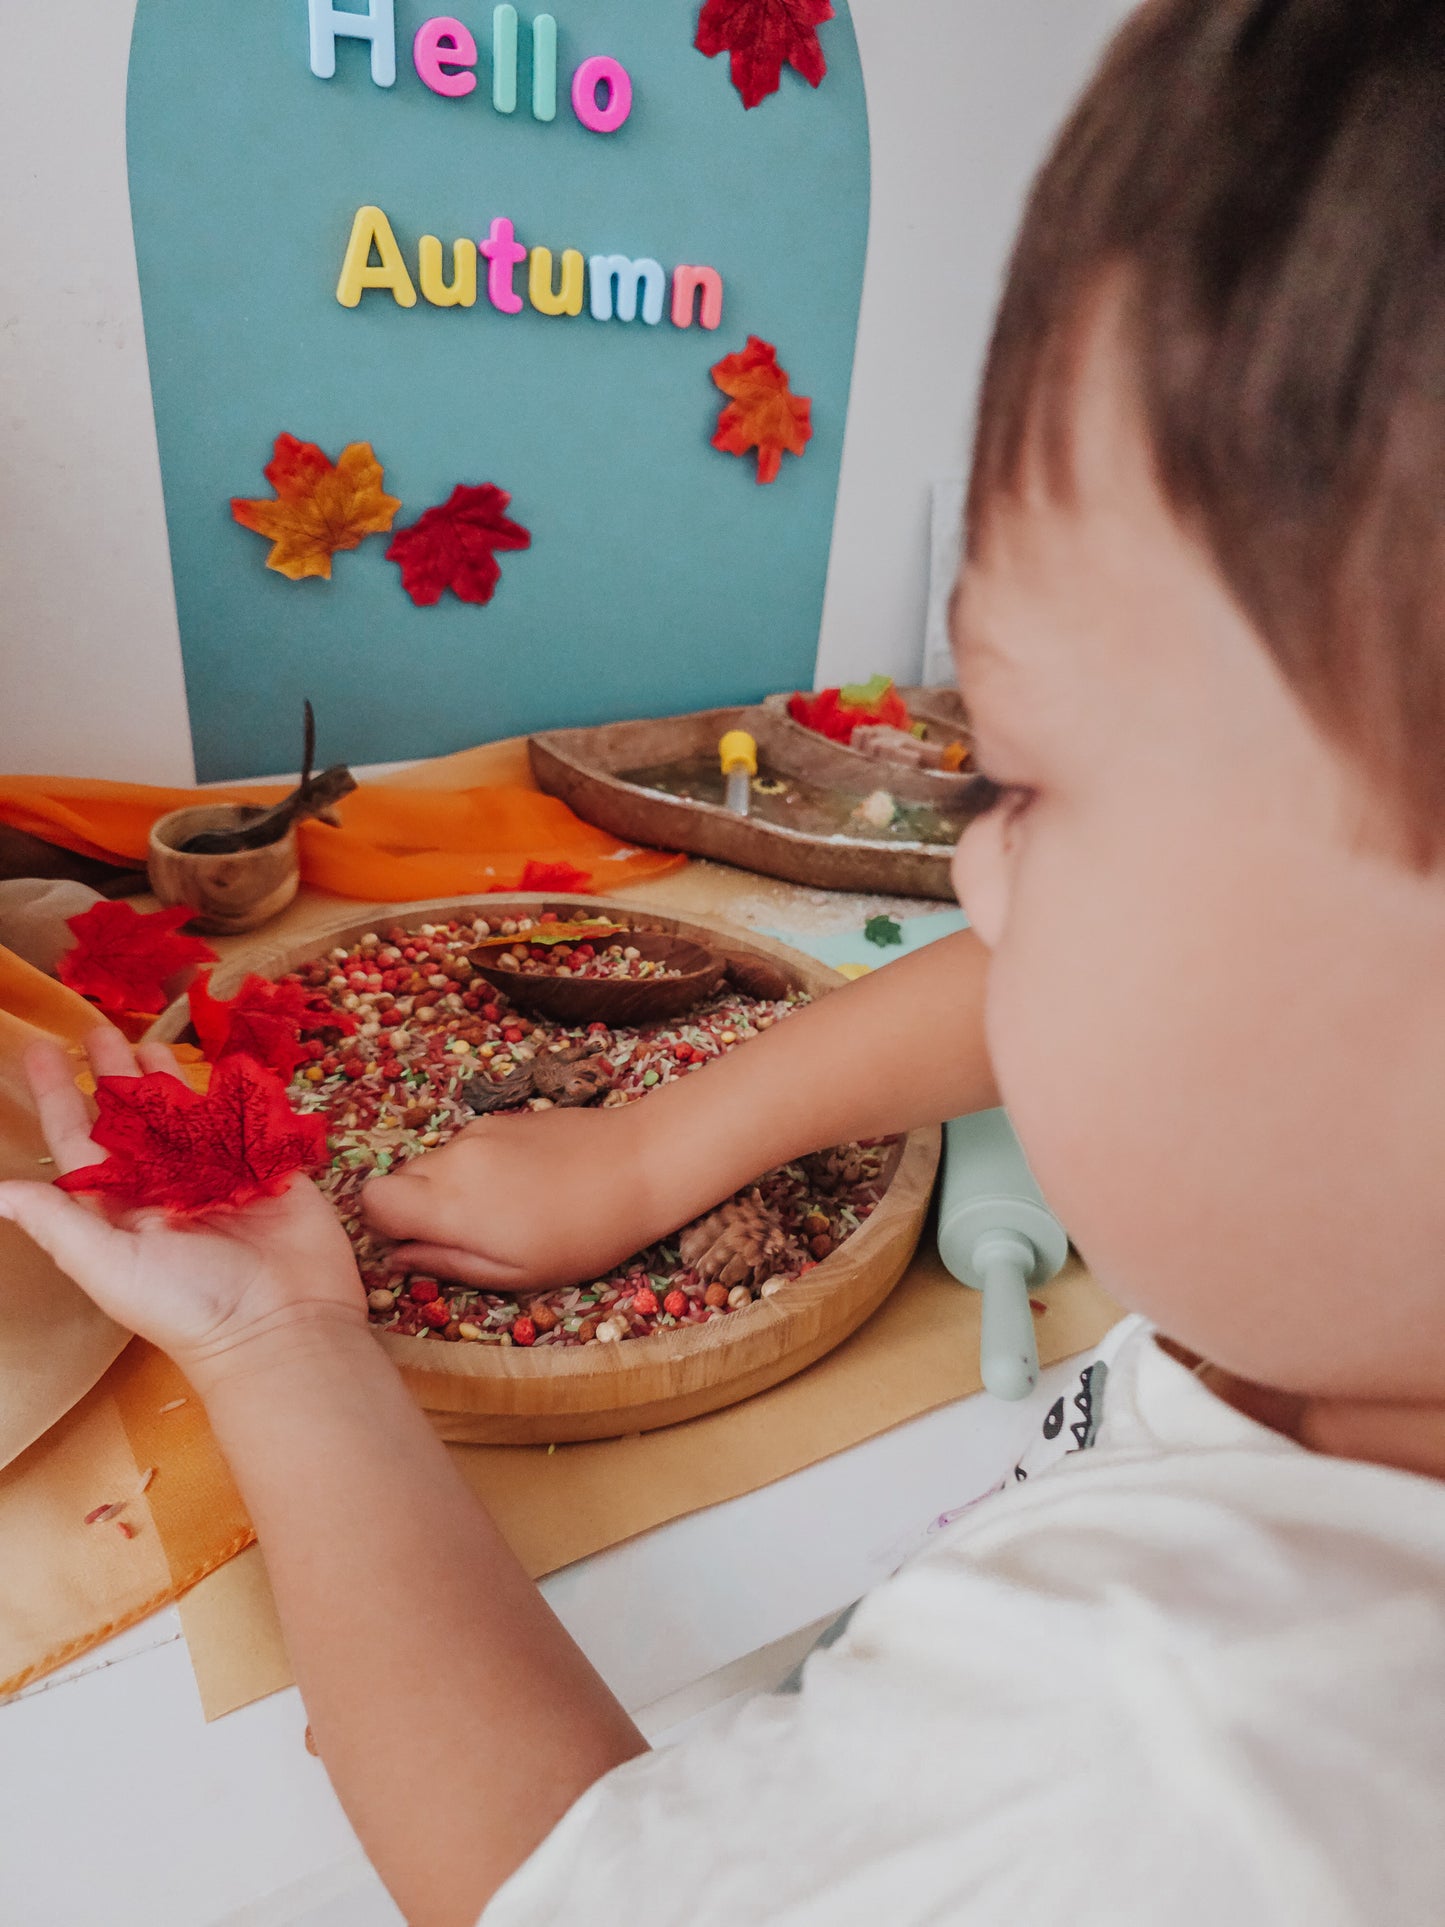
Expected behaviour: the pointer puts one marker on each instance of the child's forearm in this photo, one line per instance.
(901, 1048)
(456, 1718)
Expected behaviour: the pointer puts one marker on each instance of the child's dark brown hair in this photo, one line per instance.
(1263, 182)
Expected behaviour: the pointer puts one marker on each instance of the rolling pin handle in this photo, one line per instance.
(1008, 1350)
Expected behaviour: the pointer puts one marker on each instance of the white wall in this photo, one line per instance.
(963, 95)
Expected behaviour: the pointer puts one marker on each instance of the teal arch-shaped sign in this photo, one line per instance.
(661, 575)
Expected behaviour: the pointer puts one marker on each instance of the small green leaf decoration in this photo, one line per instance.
(883, 931)
(865, 695)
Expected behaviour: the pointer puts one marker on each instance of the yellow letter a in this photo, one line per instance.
(369, 230)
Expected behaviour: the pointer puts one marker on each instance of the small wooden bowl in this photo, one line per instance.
(229, 894)
(619, 1002)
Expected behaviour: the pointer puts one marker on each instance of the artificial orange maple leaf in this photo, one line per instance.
(319, 507)
(763, 413)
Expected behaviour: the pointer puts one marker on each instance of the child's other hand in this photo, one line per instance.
(521, 1203)
(205, 1290)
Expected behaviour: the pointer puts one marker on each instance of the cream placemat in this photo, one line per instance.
(919, 1352)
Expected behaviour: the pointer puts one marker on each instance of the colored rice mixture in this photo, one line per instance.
(426, 1028)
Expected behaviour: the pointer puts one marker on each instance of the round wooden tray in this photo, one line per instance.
(487, 1394)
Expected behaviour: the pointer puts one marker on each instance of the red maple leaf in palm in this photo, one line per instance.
(174, 1150)
(764, 36)
(122, 960)
(763, 413)
(454, 546)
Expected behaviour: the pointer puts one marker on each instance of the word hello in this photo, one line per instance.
(615, 286)
(445, 56)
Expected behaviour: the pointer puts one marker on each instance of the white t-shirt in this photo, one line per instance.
(1187, 1673)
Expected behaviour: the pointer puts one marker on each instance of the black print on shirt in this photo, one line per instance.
(1088, 1402)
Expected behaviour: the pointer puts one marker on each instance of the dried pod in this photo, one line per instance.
(485, 1095)
(841, 1168)
(570, 1078)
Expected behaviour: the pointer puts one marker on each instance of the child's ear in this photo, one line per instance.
(982, 875)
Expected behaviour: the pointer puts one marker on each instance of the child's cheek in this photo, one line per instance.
(981, 879)
(1079, 1038)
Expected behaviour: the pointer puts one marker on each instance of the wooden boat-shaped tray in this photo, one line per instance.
(489, 1395)
(587, 769)
(791, 746)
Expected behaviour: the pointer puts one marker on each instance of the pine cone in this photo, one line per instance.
(738, 1244)
(841, 1168)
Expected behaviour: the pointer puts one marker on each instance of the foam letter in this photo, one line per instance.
(377, 24)
(687, 284)
(602, 71)
(506, 254)
(463, 290)
(607, 268)
(504, 60)
(440, 44)
(569, 300)
(369, 230)
(544, 67)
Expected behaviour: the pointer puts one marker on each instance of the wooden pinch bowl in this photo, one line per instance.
(617, 1002)
(229, 894)
(495, 1395)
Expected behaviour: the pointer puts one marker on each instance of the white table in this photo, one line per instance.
(122, 1808)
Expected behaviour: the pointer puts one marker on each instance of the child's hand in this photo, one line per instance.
(522, 1203)
(204, 1290)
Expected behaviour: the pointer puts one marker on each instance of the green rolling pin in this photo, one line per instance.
(997, 1236)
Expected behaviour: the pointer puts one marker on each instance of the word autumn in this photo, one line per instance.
(445, 56)
(617, 287)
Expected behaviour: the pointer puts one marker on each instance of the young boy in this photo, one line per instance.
(1194, 1673)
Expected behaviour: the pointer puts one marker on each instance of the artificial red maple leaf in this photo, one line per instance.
(452, 547)
(561, 877)
(764, 36)
(121, 959)
(763, 413)
(172, 1149)
(319, 507)
(263, 1021)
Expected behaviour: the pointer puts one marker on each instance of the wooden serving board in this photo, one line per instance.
(490, 1395)
(584, 768)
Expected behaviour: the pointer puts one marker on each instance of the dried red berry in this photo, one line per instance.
(423, 1291)
(437, 1315)
(675, 1304)
(645, 1301)
(524, 1332)
(716, 1295)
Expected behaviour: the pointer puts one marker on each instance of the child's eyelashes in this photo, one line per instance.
(985, 797)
